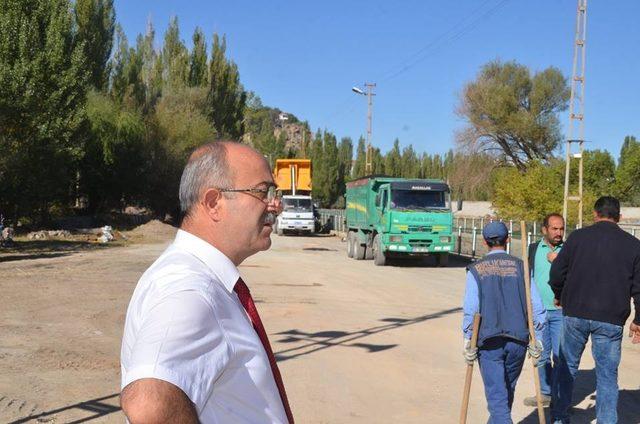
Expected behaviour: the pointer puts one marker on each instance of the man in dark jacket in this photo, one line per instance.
(594, 276)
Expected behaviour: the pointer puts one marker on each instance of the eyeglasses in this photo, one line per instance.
(268, 194)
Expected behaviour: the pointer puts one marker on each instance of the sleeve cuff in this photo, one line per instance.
(196, 395)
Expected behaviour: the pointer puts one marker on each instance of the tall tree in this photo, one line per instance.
(127, 85)
(43, 84)
(392, 160)
(227, 98)
(152, 67)
(410, 164)
(599, 171)
(175, 56)
(198, 60)
(628, 171)
(95, 21)
(513, 114)
(359, 168)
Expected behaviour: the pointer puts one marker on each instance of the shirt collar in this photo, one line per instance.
(543, 244)
(492, 252)
(215, 260)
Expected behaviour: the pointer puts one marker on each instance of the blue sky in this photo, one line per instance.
(303, 57)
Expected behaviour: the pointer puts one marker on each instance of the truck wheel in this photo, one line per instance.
(378, 255)
(350, 247)
(442, 260)
(360, 250)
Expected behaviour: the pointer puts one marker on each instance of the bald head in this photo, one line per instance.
(212, 165)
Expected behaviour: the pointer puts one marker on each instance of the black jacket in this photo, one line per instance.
(596, 274)
(533, 249)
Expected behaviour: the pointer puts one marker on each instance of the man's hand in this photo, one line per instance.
(535, 350)
(551, 256)
(556, 303)
(634, 332)
(470, 354)
(150, 400)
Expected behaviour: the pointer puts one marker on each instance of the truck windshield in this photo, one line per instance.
(289, 204)
(420, 200)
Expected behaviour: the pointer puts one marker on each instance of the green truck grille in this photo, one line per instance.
(420, 228)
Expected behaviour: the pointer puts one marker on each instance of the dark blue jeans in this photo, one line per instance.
(606, 340)
(547, 369)
(501, 361)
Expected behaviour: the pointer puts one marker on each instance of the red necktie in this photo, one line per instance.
(247, 301)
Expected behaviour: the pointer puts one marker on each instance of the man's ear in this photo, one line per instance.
(211, 202)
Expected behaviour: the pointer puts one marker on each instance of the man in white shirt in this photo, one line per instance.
(194, 348)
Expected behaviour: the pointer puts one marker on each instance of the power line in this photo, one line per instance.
(452, 34)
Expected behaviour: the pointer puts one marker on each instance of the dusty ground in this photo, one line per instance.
(356, 343)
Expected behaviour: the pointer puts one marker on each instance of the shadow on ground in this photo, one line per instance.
(455, 261)
(314, 342)
(42, 249)
(97, 407)
(585, 388)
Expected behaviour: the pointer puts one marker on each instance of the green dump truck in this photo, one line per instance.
(397, 217)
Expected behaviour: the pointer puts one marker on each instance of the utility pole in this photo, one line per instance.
(369, 154)
(576, 102)
(369, 166)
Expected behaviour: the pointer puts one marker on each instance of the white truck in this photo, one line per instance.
(293, 177)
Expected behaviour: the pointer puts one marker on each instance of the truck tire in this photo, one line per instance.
(442, 260)
(350, 246)
(359, 251)
(378, 255)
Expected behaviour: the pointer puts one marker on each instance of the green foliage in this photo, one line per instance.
(359, 168)
(628, 172)
(533, 194)
(514, 113)
(175, 57)
(198, 60)
(393, 161)
(95, 20)
(599, 170)
(113, 167)
(43, 83)
(227, 98)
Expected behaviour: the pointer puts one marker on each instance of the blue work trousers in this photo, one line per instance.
(548, 364)
(501, 361)
(606, 342)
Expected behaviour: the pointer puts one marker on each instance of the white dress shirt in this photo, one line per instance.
(185, 325)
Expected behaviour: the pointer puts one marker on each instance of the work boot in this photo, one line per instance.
(532, 401)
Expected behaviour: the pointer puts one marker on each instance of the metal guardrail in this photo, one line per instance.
(336, 217)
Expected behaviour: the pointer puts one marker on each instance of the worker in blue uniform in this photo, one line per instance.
(495, 288)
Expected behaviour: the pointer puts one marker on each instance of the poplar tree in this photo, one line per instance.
(226, 99)
(95, 21)
(43, 84)
(198, 60)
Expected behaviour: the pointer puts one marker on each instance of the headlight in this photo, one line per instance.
(395, 239)
(445, 239)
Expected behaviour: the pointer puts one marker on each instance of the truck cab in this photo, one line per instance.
(395, 218)
(293, 178)
(297, 215)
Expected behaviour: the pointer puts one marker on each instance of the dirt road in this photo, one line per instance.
(355, 343)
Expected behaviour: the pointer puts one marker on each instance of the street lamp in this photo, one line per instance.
(369, 87)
